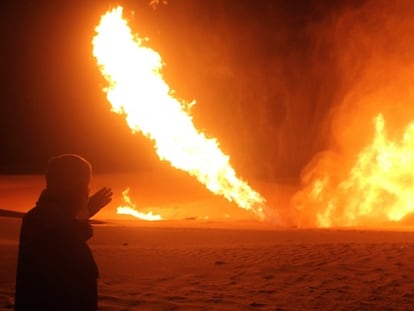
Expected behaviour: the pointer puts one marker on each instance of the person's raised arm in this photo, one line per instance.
(98, 200)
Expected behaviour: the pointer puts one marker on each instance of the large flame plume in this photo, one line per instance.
(137, 90)
(364, 176)
(378, 189)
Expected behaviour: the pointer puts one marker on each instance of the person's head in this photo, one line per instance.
(68, 177)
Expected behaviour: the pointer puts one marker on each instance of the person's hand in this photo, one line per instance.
(98, 200)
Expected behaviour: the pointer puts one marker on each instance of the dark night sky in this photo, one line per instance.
(263, 74)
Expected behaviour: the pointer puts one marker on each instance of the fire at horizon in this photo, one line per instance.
(137, 90)
(377, 189)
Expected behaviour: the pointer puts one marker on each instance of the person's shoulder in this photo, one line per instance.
(29, 215)
(38, 219)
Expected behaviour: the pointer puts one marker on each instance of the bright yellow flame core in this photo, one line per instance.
(378, 189)
(137, 90)
(131, 209)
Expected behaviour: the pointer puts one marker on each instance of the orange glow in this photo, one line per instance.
(137, 90)
(378, 189)
(132, 210)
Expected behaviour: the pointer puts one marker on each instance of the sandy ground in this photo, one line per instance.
(230, 264)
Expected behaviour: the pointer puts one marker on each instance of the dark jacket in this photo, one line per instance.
(55, 269)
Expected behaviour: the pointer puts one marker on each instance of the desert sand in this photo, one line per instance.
(194, 261)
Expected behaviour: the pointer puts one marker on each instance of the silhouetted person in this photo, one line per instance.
(56, 269)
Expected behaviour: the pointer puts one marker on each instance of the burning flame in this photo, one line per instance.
(137, 90)
(131, 209)
(378, 189)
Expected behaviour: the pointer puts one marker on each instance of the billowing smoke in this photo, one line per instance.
(265, 74)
